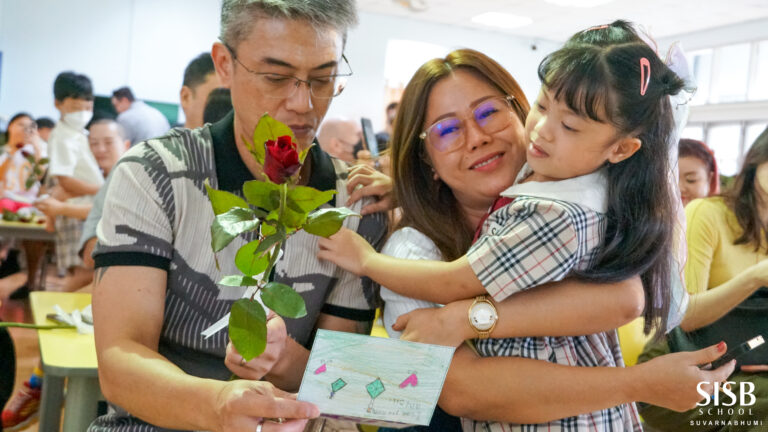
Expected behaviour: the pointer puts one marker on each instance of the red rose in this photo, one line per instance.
(281, 160)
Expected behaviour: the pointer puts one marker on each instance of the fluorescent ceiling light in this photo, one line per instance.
(502, 20)
(579, 3)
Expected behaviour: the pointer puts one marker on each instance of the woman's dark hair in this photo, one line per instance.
(7, 134)
(626, 85)
(429, 206)
(72, 85)
(744, 199)
(697, 149)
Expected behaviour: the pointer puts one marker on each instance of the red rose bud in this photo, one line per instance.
(281, 160)
(19, 145)
(26, 154)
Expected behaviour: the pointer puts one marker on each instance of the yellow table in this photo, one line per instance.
(66, 354)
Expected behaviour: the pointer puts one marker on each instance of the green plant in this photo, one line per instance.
(275, 209)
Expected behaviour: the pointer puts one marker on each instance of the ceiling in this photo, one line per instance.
(662, 18)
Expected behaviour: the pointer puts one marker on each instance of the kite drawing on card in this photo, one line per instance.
(371, 380)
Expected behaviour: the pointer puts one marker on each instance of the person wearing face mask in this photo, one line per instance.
(73, 168)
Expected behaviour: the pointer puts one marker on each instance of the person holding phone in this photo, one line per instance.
(727, 263)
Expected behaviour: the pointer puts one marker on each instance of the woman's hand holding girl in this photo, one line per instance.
(672, 381)
(437, 326)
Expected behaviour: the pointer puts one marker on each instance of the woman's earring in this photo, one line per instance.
(435, 176)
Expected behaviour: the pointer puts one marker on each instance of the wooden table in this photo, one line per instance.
(66, 354)
(25, 231)
(29, 231)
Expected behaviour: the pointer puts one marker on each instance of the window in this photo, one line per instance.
(693, 132)
(725, 141)
(731, 74)
(753, 131)
(700, 63)
(759, 84)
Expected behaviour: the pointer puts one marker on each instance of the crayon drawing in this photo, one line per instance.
(374, 380)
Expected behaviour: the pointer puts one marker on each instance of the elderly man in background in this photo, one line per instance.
(338, 138)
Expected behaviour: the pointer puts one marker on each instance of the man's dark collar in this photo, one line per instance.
(232, 172)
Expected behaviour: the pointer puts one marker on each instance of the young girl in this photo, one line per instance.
(593, 202)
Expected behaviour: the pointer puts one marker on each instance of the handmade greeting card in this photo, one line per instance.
(371, 380)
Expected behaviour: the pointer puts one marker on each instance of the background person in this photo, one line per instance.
(15, 169)
(727, 263)
(141, 121)
(199, 80)
(698, 173)
(337, 137)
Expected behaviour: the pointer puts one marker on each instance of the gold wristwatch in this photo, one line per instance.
(483, 316)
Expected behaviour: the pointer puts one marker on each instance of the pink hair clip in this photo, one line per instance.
(645, 75)
(600, 27)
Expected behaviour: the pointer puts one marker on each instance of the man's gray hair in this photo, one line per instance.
(238, 16)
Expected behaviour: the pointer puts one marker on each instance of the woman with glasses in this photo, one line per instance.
(457, 144)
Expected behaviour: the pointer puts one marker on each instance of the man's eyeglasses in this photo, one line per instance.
(283, 86)
(490, 115)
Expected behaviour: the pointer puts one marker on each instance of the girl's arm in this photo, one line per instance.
(519, 390)
(580, 307)
(434, 281)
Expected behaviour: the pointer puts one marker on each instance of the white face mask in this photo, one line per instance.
(78, 119)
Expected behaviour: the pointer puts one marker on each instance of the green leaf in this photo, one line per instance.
(268, 129)
(223, 201)
(304, 153)
(261, 194)
(270, 241)
(238, 280)
(267, 229)
(304, 199)
(258, 152)
(248, 328)
(292, 219)
(43, 161)
(248, 261)
(229, 225)
(327, 222)
(283, 300)
(29, 182)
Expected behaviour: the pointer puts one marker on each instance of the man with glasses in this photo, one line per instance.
(155, 286)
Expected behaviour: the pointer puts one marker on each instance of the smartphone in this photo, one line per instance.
(739, 351)
(369, 137)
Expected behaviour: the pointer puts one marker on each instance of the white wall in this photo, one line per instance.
(727, 35)
(141, 43)
(366, 49)
(146, 44)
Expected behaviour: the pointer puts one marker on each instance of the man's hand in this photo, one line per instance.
(242, 405)
(261, 365)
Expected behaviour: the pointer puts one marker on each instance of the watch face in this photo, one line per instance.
(483, 316)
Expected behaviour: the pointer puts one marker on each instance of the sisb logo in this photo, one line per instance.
(746, 394)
